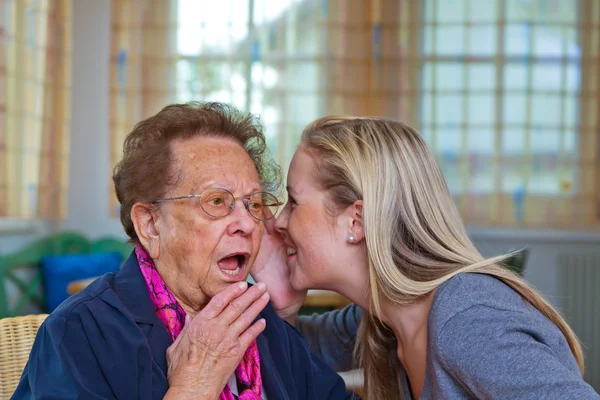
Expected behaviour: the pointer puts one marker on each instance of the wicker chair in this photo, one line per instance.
(16, 338)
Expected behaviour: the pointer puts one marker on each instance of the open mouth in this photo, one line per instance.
(233, 264)
(291, 251)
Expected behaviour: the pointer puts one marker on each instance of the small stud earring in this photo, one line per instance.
(351, 239)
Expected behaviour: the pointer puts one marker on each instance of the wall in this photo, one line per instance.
(89, 161)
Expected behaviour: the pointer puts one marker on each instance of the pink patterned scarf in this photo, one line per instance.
(172, 316)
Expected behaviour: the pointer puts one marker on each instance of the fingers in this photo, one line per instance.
(245, 319)
(252, 333)
(240, 304)
(222, 300)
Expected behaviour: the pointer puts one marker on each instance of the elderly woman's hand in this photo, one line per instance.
(211, 345)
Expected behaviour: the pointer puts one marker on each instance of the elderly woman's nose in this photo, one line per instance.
(241, 220)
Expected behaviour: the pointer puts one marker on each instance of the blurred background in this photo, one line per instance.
(504, 91)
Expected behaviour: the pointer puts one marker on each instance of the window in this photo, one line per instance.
(501, 106)
(259, 55)
(504, 91)
(501, 82)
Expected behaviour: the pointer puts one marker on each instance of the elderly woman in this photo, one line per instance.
(179, 321)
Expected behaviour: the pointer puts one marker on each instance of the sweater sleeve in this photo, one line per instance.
(332, 335)
(498, 353)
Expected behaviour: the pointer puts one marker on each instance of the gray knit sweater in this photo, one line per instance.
(485, 342)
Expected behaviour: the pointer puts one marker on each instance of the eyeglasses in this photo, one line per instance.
(219, 203)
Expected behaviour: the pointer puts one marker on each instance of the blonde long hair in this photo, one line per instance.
(415, 238)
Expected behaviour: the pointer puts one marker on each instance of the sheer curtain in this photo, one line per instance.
(35, 100)
(505, 92)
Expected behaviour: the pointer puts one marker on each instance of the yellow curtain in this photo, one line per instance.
(35, 76)
(142, 67)
(504, 92)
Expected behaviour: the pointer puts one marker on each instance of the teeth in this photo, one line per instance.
(291, 251)
(232, 271)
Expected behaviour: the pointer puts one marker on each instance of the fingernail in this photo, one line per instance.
(261, 285)
(262, 321)
(265, 295)
(243, 285)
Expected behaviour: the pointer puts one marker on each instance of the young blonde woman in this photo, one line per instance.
(370, 216)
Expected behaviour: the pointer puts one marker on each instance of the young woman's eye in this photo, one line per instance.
(292, 203)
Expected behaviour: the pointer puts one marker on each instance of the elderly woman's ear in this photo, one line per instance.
(145, 221)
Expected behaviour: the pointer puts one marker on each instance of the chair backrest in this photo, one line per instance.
(21, 277)
(16, 338)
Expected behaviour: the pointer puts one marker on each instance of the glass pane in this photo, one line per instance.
(449, 76)
(449, 109)
(426, 109)
(573, 47)
(514, 108)
(482, 40)
(481, 178)
(426, 135)
(513, 175)
(264, 76)
(571, 111)
(301, 76)
(189, 31)
(450, 11)
(515, 76)
(481, 109)
(569, 141)
(549, 41)
(451, 169)
(427, 75)
(542, 11)
(517, 39)
(547, 77)
(545, 179)
(302, 109)
(484, 11)
(264, 10)
(482, 76)
(513, 142)
(450, 40)
(428, 35)
(573, 78)
(518, 9)
(481, 141)
(428, 14)
(546, 110)
(560, 11)
(449, 142)
(217, 19)
(545, 141)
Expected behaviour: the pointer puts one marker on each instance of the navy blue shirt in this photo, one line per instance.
(107, 342)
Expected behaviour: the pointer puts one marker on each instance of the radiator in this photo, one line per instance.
(579, 288)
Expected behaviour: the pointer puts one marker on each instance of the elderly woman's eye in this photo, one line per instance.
(216, 201)
(255, 205)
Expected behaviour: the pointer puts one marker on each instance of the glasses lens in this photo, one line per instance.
(217, 202)
(263, 205)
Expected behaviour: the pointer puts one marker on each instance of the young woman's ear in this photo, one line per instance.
(145, 222)
(354, 217)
